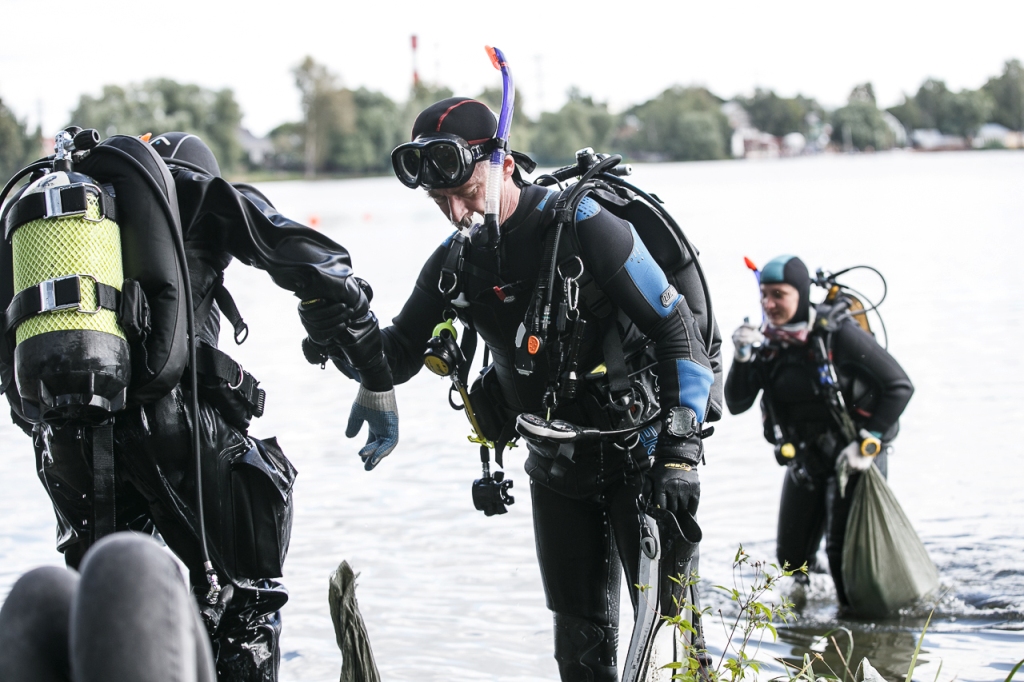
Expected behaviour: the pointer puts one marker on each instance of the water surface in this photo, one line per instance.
(448, 594)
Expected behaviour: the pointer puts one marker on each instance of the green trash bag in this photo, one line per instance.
(885, 566)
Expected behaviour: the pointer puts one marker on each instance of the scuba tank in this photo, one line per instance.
(71, 356)
(93, 282)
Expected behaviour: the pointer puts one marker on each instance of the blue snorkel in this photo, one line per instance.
(494, 176)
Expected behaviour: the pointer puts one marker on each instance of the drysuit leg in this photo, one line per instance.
(578, 550)
(155, 472)
(245, 638)
(801, 523)
(129, 617)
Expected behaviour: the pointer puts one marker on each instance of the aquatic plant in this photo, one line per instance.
(754, 618)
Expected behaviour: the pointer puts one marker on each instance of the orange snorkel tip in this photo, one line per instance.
(494, 57)
(750, 264)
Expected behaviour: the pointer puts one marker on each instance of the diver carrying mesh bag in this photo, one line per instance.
(885, 565)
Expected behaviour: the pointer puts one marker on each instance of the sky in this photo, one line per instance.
(620, 53)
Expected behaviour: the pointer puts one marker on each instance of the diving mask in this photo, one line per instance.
(438, 161)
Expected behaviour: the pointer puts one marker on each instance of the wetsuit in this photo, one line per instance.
(585, 518)
(247, 508)
(875, 389)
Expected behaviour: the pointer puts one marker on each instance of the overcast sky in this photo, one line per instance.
(52, 52)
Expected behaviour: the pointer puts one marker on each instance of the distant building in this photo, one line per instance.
(736, 114)
(996, 135)
(931, 140)
(899, 133)
(257, 149)
(793, 144)
(749, 142)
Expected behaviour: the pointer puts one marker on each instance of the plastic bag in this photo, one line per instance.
(885, 565)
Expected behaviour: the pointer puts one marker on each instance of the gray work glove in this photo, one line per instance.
(380, 412)
(746, 337)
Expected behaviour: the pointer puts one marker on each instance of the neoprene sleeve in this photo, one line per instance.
(245, 226)
(875, 387)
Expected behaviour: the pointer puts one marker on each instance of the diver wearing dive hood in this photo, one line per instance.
(788, 358)
(585, 513)
(246, 482)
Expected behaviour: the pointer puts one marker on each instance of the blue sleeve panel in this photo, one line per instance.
(540, 206)
(649, 277)
(694, 386)
(588, 208)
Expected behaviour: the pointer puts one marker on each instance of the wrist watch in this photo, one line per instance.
(681, 422)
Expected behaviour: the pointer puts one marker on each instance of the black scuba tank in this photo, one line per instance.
(101, 220)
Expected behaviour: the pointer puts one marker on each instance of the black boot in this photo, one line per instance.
(584, 650)
(246, 641)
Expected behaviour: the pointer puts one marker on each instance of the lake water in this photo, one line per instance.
(448, 594)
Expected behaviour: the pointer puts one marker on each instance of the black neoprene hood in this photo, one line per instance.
(790, 270)
(186, 147)
(469, 119)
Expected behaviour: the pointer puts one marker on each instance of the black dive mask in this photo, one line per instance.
(438, 161)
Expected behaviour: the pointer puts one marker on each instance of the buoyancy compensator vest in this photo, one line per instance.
(92, 279)
(600, 177)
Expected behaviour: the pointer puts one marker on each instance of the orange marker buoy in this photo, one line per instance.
(314, 221)
(367, 217)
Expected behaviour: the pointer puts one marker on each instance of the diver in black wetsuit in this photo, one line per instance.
(247, 508)
(809, 440)
(585, 515)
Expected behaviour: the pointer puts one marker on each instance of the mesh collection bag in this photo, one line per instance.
(885, 565)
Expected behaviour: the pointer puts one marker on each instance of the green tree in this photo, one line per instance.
(680, 124)
(909, 114)
(860, 123)
(523, 128)
(779, 116)
(17, 146)
(365, 146)
(580, 123)
(161, 105)
(327, 112)
(936, 106)
(1007, 93)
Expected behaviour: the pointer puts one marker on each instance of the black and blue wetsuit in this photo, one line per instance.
(585, 518)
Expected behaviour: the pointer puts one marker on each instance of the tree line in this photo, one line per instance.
(352, 131)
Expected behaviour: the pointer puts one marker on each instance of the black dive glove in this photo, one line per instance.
(674, 481)
(350, 336)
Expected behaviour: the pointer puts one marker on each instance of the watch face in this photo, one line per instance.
(682, 422)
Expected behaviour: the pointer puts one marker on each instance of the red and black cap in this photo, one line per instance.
(468, 118)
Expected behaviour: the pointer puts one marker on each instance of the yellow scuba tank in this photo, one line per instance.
(71, 356)
(856, 305)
